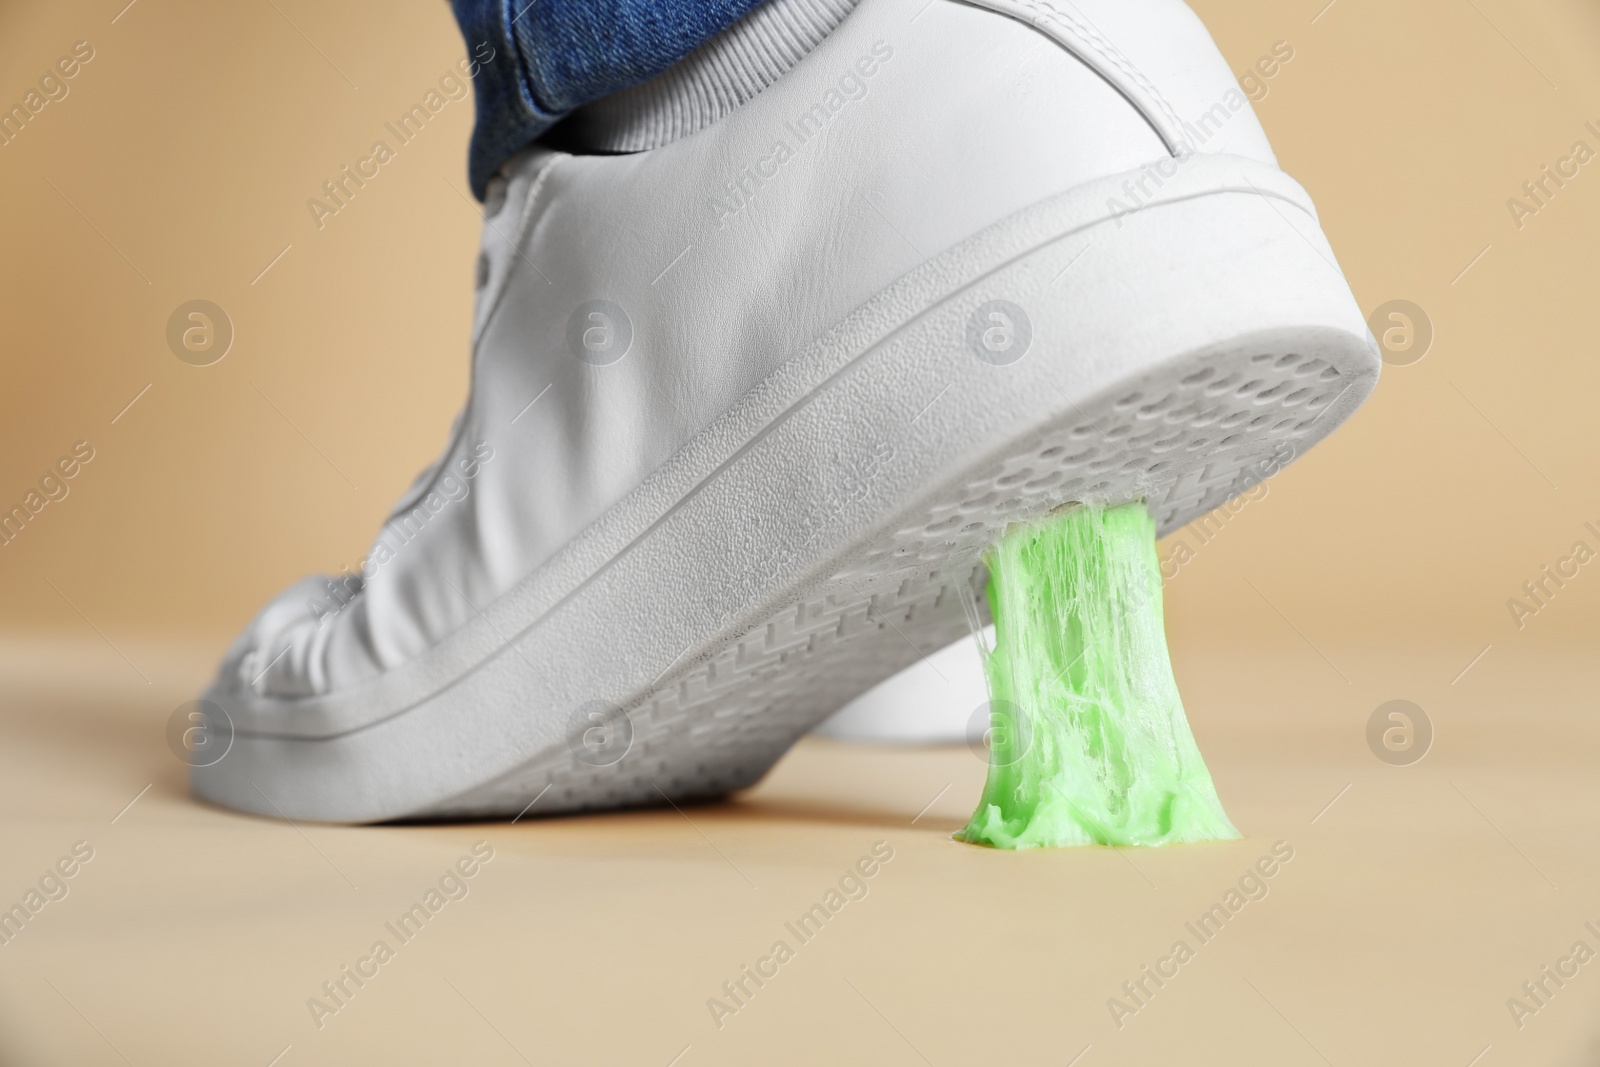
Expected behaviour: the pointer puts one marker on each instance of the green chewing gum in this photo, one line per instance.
(1088, 739)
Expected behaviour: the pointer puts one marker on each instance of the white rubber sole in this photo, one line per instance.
(822, 535)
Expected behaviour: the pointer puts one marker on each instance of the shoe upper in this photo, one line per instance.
(626, 302)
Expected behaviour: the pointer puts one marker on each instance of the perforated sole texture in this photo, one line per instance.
(1184, 438)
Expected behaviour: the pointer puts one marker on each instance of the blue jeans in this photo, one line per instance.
(551, 56)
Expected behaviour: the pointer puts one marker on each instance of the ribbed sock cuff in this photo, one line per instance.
(705, 85)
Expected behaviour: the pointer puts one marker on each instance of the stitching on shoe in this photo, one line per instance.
(1047, 16)
(1088, 33)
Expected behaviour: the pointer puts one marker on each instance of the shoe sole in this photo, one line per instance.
(828, 530)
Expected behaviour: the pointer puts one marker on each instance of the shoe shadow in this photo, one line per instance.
(719, 811)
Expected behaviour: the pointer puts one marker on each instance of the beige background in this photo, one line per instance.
(1378, 567)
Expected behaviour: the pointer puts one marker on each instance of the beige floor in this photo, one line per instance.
(1413, 907)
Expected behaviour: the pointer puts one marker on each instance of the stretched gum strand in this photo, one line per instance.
(1089, 743)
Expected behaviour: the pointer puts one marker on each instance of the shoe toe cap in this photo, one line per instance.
(283, 651)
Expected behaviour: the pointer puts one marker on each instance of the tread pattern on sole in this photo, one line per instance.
(1185, 437)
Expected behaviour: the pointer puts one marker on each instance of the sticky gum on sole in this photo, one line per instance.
(1089, 743)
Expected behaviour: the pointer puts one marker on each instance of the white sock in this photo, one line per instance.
(706, 84)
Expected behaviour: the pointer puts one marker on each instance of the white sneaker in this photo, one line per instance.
(747, 407)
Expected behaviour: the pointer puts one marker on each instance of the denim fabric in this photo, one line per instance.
(551, 56)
